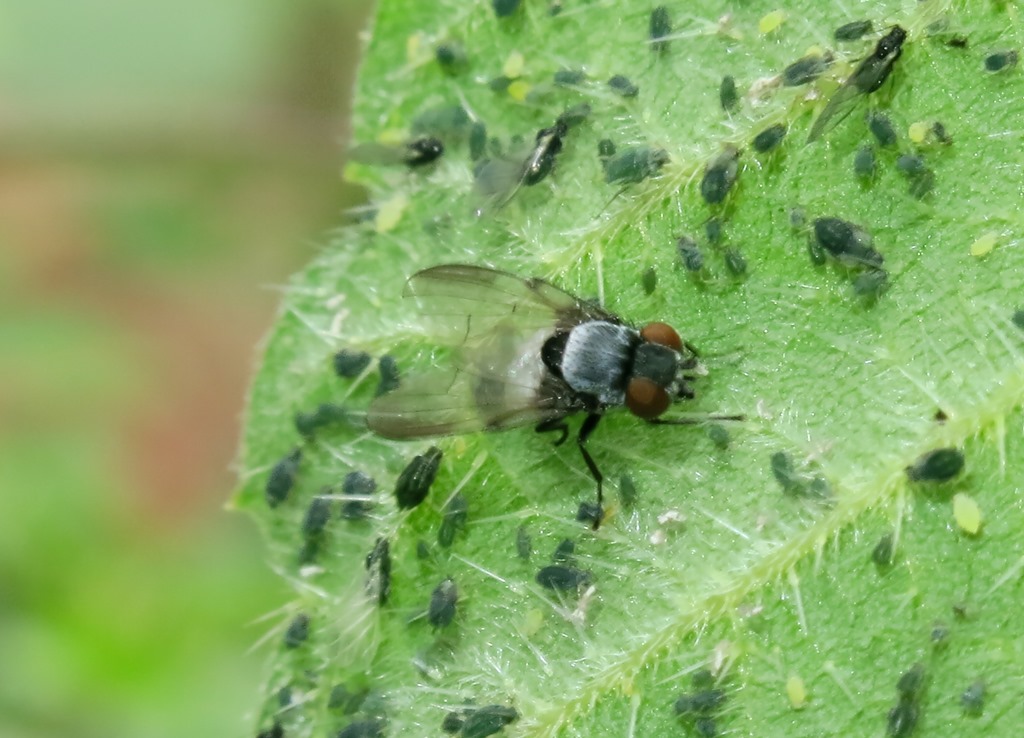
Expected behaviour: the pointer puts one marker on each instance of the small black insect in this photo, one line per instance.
(414, 482)
(713, 230)
(911, 165)
(623, 86)
(869, 75)
(805, 70)
(1018, 318)
(562, 578)
(415, 153)
(769, 138)
(690, 254)
(846, 242)
(605, 148)
(728, 97)
(451, 57)
(627, 492)
(378, 565)
(792, 482)
(318, 514)
(911, 682)
(570, 77)
(864, 162)
(735, 262)
(453, 519)
(972, 700)
(349, 364)
(718, 435)
(531, 354)
(882, 129)
(660, 27)
(423, 151)
(634, 164)
(325, 415)
(720, 175)
(1001, 60)
(505, 8)
(565, 552)
(702, 702)
(389, 377)
(524, 545)
(488, 720)
(282, 478)
(649, 280)
(359, 488)
(298, 631)
(941, 134)
(939, 465)
(903, 719)
(871, 283)
(852, 31)
(274, 731)
(373, 728)
(590, 512)
(443, 601)
(345, 700)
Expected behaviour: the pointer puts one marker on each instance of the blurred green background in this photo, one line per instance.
(163, 167)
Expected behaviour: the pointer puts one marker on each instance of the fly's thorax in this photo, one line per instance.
(596, 358)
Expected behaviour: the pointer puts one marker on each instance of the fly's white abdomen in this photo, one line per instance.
(596, 358)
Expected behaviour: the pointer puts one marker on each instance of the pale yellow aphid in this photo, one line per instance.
(984, 244)
(518, 90)
(918, 131)
(514, 65)
(966, 513)
(796, 690)
(390, 213)
(770, 22)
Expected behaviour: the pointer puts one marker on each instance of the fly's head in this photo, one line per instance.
(662, 365)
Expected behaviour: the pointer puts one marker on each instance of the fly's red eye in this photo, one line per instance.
(645, 399)
(662, 333)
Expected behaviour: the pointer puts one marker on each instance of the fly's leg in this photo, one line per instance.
(694, 421)
(586, 428)
(554, 424)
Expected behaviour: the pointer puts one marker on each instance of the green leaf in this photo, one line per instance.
(750, 556)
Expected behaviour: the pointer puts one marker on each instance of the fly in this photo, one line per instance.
(869, 75)
(530, 354)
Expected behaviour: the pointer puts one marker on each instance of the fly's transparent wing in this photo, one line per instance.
(465, 302)
(840, 105)
(499, 322)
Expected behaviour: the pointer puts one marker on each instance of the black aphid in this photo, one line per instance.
(605, 148)
(735, 262)
(884, 551)
(325, 415)
(298, 631)
(718, 434)
(797, 218)
(623, 86)
(939, 465)
(414, 482)
(451, 57)
(317, 516)
(443, 121)
(349, 364)
(627, 491)
(846, 242)
(500, 83)
(939, 635)
(882, 129)
(911, 682)
(1000, 60)
(869, 75)
(852, 31)
(911, 165)
(562, 578)
(769, 138)
(488, 720)
(477, 141)
(345, 700)
(378, 565)
(634, 164)
(864, 162)
(941, 134)
(805, 70)
(705, 726)
(590, 512)
(422, 151)
(660, 27)
(720, 175)
(524, 545)
(453, 519)
(565, 552)
(571, 117)
(1018, 318)
(713, 230)
(649, 280)
(452, 723)
(505, 8)
(786, 475)
(359, 486)
(443, 602)
(570, 77)
(282, 478)
(389, 378)
(701, 702)
(373, 728)
(690, 254)
(903, 719)
(541, 160)
(972, 700)
(728, 97)
(871, 283)
(422, 550)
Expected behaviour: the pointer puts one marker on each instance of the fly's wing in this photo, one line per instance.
(499, 323)
(840, 105)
